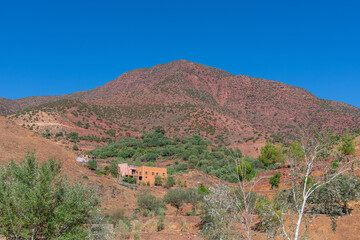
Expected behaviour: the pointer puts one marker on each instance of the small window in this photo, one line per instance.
(145, 173)
(152, 173)
(140, 173)
(164, 174)
(145, 176)
(157, 174)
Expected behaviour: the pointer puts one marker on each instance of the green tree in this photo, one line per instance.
(92, 164)
(158, 181)
(193, 161)
(333, 199)
(268, 213)
(148, 203)
(245, 171)
(170, 182)
(271, 154)
(275, 180)
(38, 203)
(176, 198)
(347, 147)
(193, 197)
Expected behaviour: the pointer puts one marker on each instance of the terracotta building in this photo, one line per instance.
(142, 174)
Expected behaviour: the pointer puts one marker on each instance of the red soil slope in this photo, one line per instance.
(189, 98)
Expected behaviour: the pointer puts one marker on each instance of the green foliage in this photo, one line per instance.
(170, 182)
(150, 204)
(333, 198)
(150, 156)
(176, 197)
(59, 134)
(38, 203)
(158, 181)
(275, 180)
(203, 190)
(245, 171)
(268, 212)
(271, 154)
(75, 147)
(73, 137)
(129, 179)
(219, 213)
(113, 168)
(111, 132)
(160, 224)
(197, 153)
(92, 164)
(193, 197)
(347, 146)
(159, 129)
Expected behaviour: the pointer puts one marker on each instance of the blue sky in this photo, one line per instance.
(58, 47)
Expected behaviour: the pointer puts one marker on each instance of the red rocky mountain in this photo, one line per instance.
(189, 98)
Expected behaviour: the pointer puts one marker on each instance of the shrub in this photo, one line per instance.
(113, 168)
(92, 164)
(75, 147)
(203, 190)
(150, 156)
(268, 214)
(275, 180)
(160, 223)
(271, 154)
(176, 198)
(38, 203)
(130, 180)
(193, 197)
(170, 182)
(149, 203)
(274, 166)
(158, 181)
(245, 171)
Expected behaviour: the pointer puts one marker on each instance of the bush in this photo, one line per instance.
(245, 171)
(149, 203)
(130, 180)
(92, 164)
(275, 180)
(170, 182)
(274, 166)
(160, 223)
(158, 181)
(203, 190)
(75, 147)
(113, 168)
(150, 156)
(36, 202)
(271, 154)
(176, 198)
(268, 214)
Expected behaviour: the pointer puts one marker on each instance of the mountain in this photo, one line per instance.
(188, 98)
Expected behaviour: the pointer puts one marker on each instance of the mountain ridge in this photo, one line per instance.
(190, 98)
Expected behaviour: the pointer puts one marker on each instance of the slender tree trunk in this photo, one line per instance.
(299, 220)
(346, 208)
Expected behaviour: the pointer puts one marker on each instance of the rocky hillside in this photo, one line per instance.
(189, 98)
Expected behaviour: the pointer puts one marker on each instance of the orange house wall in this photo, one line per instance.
(150, 177)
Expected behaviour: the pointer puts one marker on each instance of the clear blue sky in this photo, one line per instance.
(58, 47)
